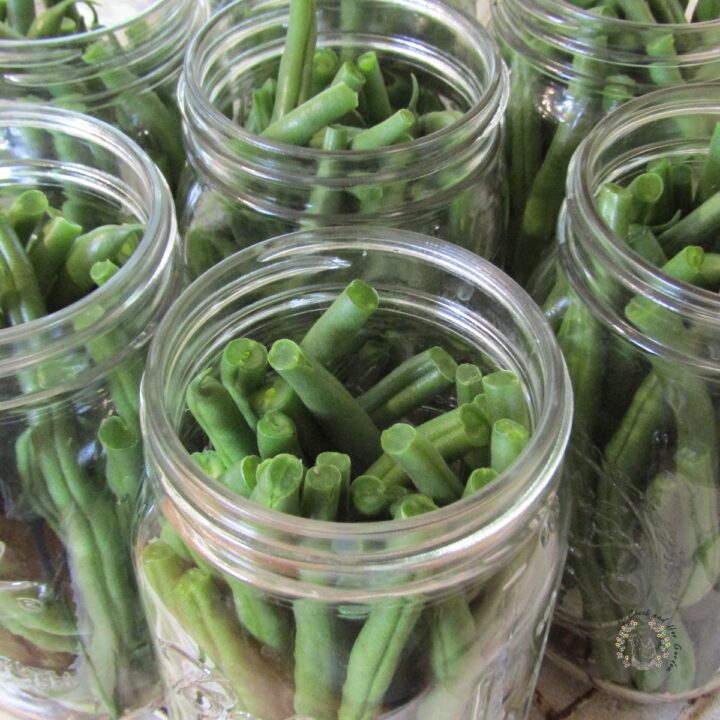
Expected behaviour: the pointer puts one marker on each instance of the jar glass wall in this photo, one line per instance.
(241, 187)
(73, 639)
(639, 604)
(569, 68)
(123, 69)
(488, 562)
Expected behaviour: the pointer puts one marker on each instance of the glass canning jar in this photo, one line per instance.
(497, 553)
(640, 601)
(124, 72)
(241, 188)
(570, 67)
(73, 639)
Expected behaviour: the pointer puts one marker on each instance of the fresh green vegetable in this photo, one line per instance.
(647, 40)
(644, 455)
(89, 617)
(346, 661)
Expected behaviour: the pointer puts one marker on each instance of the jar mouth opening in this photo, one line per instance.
(582, 229)
(485, 516)
(195, 100)
(571, 32)
(142, 264)
(22, 44)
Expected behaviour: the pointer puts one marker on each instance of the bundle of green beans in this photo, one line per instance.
(281, 428)
(644, 459)
(150, 117)
(68, 601)
(547, 121)
(341, 101)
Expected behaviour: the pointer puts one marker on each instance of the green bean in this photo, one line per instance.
(47, 23)
(297, 54)
(342, 462)
(261, 101)
(123, 453)
(667, 11)
(646, 190)
(374, 92)
(241, 477)
(412, 505)
(26, 302)
(163, 567)
(20, 15)
(479, 478)
(50, 249)
(507, 441)
(707, 10)
(102, 243)
(210, 462)
(422, 462)
(316, 636)
(342, 419)
(505, 398)
(321, 493)
(375, 656)
(278, 484)
(216, 413)
(254, 680)
(468, 383)
(26, 211)
(276, 434)
(325, 65)
(349, 74)
(710, 174)
(242, 370)
(454, 434)
(102, 271)
(387, 132)
(643, 241)
(335, 333)
(408, 386)
(299, 125)
(370, 495)
(326, 200)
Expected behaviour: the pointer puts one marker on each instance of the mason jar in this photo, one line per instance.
(241, 188)
(73, 639)
(494, 557)
(124, 72)
(639, 606)
(570, 67)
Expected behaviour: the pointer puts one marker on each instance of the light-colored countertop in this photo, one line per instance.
(559, 697)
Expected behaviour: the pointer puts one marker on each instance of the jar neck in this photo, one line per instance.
(568, 43)
(253, 291)
(142, 52)
(53, 356)
(601, 267)
(242, 45)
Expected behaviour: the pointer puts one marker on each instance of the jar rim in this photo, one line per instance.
(558, 23)
(491, 105)
(65, 41)
(506, 501)
(122, 292)
(581, 223)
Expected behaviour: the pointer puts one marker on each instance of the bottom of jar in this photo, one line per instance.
(636, 696)
(23, 704)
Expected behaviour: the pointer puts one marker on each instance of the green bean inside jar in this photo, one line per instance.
(118, 61)
(633, 298)
(311, 113)
(354, 437)
(571, 63)
(87, 265)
